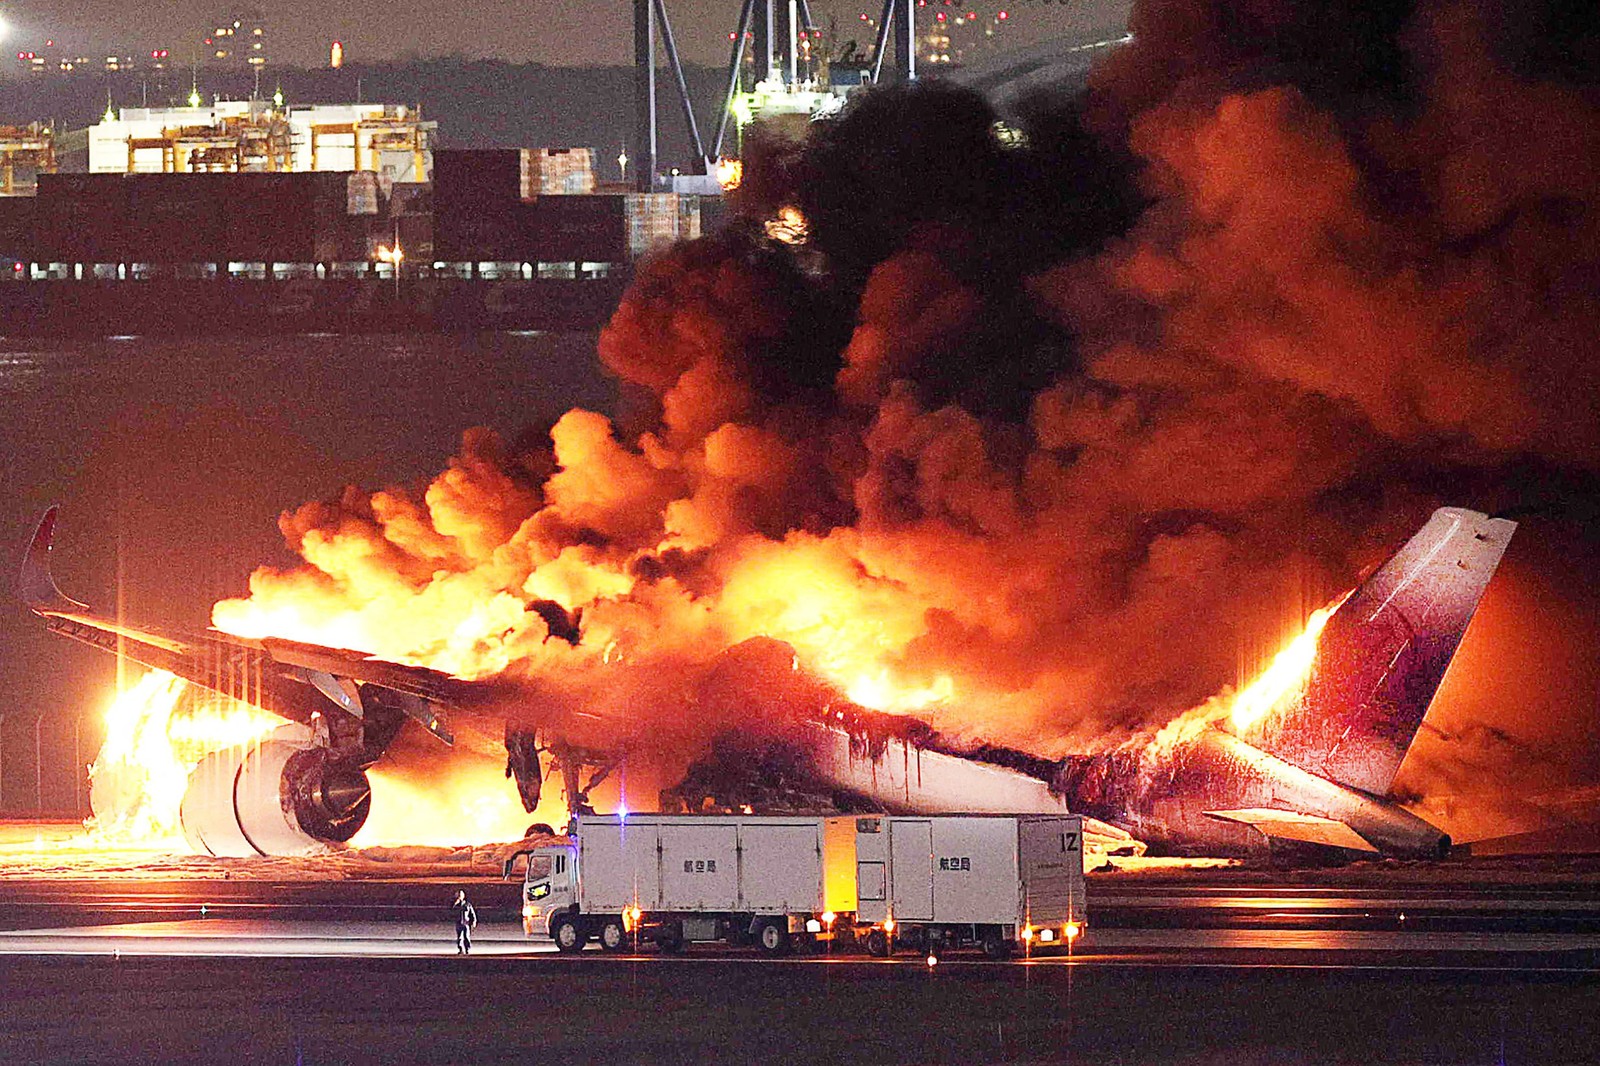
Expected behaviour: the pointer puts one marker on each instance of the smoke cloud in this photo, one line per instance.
(1049, 437)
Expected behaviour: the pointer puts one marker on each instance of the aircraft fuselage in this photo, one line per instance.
(1172, 799)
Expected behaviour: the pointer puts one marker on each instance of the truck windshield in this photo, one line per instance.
(538, 867)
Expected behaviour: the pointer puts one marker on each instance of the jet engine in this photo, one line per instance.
(283, 796)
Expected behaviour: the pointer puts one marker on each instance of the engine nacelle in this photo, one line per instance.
(281, 797)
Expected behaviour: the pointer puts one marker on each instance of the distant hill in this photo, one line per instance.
(477, 103)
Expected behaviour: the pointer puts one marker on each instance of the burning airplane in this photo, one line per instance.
(1305, 757)
(1034, 460)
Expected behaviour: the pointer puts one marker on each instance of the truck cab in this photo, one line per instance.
(549, 886)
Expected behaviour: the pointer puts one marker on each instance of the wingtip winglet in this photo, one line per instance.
(35, 584)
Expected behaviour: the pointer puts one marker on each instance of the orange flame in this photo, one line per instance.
(1286, 673)
(152, 745)
(1283, 676)
(472, 804)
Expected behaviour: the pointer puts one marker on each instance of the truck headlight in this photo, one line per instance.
(813, 926)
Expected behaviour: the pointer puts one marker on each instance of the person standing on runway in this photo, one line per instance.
(466, 921)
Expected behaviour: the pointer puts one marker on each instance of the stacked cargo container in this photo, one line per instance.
(486, 209)
(656, 219)
(557, 171)
(197, 218)
(478, 205)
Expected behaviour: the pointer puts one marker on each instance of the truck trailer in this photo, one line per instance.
(672, 879)
(1001, 882)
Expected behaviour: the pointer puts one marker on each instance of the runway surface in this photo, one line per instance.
(219, 937)
(1204, 972)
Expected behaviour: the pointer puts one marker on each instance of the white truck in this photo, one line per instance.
(926, 882)
(671, 879)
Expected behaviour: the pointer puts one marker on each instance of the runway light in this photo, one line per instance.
(828, 917)
(933, 960)
(1072, 930)
(888, 925)
(1027, 932)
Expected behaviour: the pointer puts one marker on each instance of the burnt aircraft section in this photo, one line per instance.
(1384, 652)
(305, 785)
(1313, 771)
(1317, 767)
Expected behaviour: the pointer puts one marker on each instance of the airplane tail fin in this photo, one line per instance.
(1381, 657)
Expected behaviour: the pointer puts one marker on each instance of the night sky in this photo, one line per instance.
(576, 32)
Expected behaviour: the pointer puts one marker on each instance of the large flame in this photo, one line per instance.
(470, 805)
(1283, 678)
(153, 742)
(1286, 673)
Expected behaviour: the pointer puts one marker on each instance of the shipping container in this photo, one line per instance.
(175, 218)
(82, 218)
(271, 218)
(19, 223)
(477, 179)
(361, 193)
(407, 199)
(557, 171)
(579, 228)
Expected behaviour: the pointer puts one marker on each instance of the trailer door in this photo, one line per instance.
(699, 865)
(1052, 869)
(911, 869)
(618, 866)
(780, 867)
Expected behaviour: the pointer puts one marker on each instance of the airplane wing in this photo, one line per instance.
(294, 680)
(1292, 825)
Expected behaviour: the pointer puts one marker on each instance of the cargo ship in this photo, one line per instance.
(494, 239)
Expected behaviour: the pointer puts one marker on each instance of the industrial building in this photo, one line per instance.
(391, 140)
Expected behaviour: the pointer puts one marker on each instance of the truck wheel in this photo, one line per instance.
(878, 943)
(568, 937)
(996, 946)
(773, 939)
(613, 937)
(669, 941)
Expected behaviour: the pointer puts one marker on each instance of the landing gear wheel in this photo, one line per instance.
(997, 947)
(878, 943)
(568, 937)
(774, 939)
(613, 937)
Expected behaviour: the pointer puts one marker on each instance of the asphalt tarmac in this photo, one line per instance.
(363, 971)
(544, 1009)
